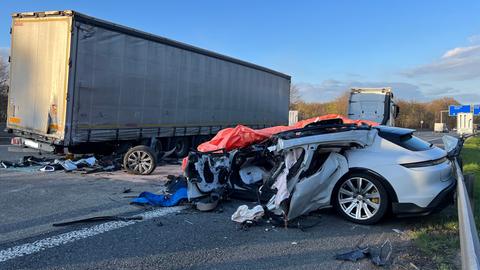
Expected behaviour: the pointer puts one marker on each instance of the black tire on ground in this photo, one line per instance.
(373, 203)
(140, 160)
(182, 146)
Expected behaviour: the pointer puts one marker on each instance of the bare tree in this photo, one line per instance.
(3, 88)
(3, 73)
(295, 96)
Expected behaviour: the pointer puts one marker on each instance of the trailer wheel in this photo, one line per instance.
(140, 160)
(182, 146)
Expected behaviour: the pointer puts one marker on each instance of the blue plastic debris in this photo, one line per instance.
(148, 198)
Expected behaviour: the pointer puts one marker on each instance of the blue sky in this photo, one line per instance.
(424, 49)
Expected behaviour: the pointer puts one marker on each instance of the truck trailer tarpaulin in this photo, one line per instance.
(77, 80)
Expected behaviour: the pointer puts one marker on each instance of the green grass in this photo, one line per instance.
(471, 164)
(437, 236)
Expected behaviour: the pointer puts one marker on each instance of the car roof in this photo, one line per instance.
(395, 130)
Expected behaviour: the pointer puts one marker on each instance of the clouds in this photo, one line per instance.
(330, 89)
(474, 39)
(325, 91)
(462, 52)
(460, 63)
(454, 73)
(455, 92)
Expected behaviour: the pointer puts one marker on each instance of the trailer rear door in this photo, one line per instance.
(38, 83)
(368, 106)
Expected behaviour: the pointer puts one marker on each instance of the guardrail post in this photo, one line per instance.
(470, 185)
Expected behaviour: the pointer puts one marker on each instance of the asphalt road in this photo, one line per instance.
(4, 136)
(433, 137)
(168, 238)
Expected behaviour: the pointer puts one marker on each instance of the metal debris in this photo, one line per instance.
(378, 256)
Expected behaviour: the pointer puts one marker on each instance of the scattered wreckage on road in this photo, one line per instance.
(85, 164)
(360, 169)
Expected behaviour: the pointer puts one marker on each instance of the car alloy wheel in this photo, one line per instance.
(140, 160)
(359, 198)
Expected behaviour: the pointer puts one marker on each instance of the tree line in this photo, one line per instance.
(3, 89)
(410, 116)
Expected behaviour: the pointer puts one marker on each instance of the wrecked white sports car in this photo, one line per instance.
(360, 170)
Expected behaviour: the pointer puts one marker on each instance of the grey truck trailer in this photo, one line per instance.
(84, 85)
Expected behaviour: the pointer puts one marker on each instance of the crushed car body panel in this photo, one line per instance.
(294, 170)
(312, 193)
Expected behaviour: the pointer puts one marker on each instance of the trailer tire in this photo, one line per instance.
(182, 146)
(140, 160)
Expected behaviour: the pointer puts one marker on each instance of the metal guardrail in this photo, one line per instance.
(469, 243)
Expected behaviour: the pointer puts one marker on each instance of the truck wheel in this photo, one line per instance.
(182, 146)
(140, 160)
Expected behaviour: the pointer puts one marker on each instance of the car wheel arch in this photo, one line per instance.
(390, 191)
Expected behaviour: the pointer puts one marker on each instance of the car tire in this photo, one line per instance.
(367, 205)
(140, 160)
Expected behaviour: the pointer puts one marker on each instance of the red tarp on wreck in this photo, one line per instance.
(242, 136)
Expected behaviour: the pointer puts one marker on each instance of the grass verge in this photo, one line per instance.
(436, 236)
(471, 164)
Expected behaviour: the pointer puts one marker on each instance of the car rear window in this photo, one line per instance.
(407, 141)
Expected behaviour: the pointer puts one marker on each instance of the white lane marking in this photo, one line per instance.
(47, 227)
(69, 237)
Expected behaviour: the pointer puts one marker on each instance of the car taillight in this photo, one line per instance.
(425, 163)
(16, 141)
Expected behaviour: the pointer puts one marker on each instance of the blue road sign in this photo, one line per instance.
(453, 110)
(476, 109)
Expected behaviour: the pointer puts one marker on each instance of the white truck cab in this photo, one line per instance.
(374, 104)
